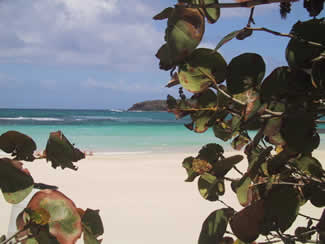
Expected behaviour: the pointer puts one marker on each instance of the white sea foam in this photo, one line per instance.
(31, 118)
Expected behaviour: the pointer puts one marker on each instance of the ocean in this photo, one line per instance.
(108, 131)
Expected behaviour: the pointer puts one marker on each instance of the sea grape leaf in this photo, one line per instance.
(92, 220)
(227, 38)
(285, 82)
(276, 163)
(240, 141)
(210, 187)
(215, 225)
(201, 166)
(18, 144)
(222, 131)
(299, 54)
(15, 182)
(213, 13)
(211, 152)
(65, 222)
(314, 7)
(244, 72)
(38, 233)
(191, 174)
(310, 166)
(92, 226)
(185, 28)
(202, 120)
(246, 223)
(174, 81)
(243, 190)
(89, 238)
(300, 234)
(223, 166)
(177, 107)
(199, 70)
(298, 130)
(316, 194)
(61, 152)
(252, 100)
(164, 14)
(281, 208)
(244, 34)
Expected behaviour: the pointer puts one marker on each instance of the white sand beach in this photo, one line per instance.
(142, 197)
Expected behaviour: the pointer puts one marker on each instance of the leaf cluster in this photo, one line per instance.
(282, 109)
(50, 216)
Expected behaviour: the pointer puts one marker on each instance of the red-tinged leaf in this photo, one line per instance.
(65, 222)
(246, 223)
(19, 145)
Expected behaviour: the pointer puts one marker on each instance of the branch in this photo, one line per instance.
(285, 35)
(308, 217)
(246, 4)
(14, 235)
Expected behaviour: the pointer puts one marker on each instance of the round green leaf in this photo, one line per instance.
(214, 226)
(210, 187)
(310, 166)
(15, 182)
(212, 14)
(185, 28)
(285, 82)
(244, 72)
(203, 65)
(300, 54)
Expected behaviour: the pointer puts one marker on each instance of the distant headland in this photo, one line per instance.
(152, 105)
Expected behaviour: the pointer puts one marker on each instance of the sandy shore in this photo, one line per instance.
(142, 197)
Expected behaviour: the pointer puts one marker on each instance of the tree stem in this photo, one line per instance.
(246, 4)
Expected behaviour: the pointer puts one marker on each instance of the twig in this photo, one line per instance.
(235, 168)
(229, 179)
(277, 183)
(14, 235)
(225, 204)
(308, 217)
(285, 35)
(246, 4)
(266, 242)
(251, 19)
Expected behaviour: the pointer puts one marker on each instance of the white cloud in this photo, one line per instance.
(108, 33)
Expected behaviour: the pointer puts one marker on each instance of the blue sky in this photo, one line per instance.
(100, 53)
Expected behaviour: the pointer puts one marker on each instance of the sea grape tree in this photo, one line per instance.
(50, 216)
(283, 109)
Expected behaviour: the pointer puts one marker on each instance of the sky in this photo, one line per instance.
(100, 54)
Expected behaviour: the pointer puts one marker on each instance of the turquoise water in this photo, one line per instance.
(104, 130)
(109, 131)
